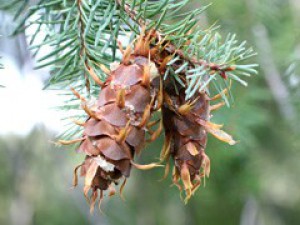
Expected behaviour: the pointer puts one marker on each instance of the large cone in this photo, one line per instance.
(115, 130)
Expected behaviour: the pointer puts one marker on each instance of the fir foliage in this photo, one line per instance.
(84, 34)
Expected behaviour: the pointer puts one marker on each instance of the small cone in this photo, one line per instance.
(186, 126)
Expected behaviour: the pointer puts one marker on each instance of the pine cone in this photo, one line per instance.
(115, 130)
(186, 125)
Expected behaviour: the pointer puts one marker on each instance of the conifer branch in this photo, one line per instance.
(131, 13)
(83, 51)
(84, 34)
(171, 48)
(201, 51)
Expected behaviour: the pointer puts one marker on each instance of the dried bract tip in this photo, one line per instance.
(126, 55)
(146, 167)
(216, 106)
(186, 180)
(104, 69)
(70, 142)
(121, 98)
(221, 135)
(185, 109)
(146, 76)
(95, 77)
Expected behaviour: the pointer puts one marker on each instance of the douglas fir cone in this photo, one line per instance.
(115, 129)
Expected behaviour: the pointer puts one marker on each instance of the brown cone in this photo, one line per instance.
(187, 137)
(186, 126)
(115, 130)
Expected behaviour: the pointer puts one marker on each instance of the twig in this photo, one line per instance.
(171, 48)
(131, 13)
(83, 50)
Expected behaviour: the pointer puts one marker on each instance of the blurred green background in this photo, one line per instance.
(256, 182)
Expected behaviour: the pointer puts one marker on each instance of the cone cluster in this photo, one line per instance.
(120, 120)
